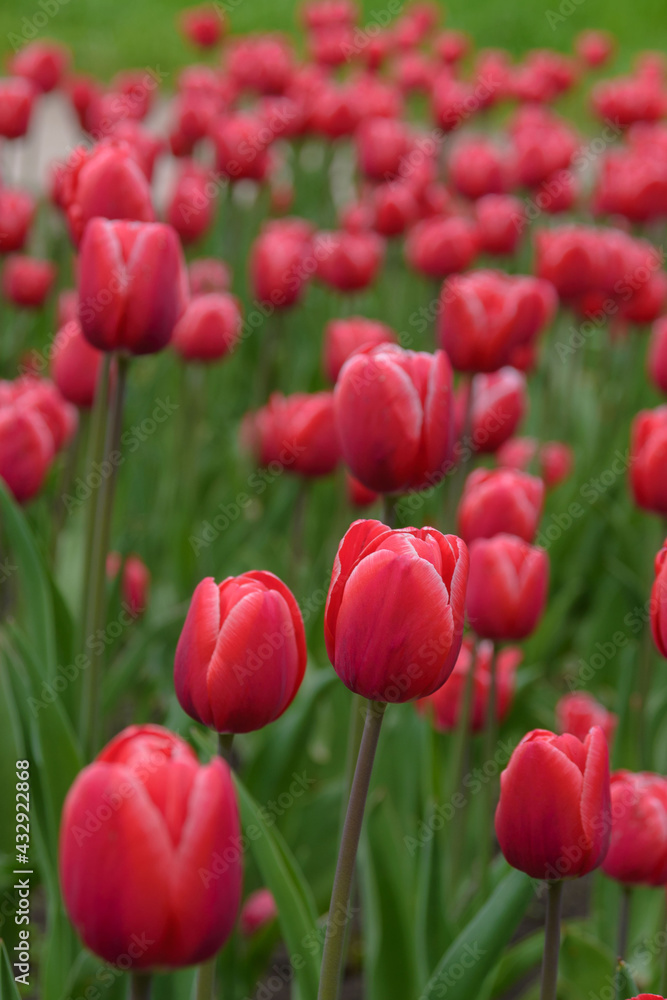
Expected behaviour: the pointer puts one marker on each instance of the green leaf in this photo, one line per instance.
(517, 963)
(12, 748)
(8, 988)
(478, 947)
(296, 908)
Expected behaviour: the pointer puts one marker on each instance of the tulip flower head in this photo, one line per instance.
(507, 587)
(499, 501)
(638, 848)
(579, 711)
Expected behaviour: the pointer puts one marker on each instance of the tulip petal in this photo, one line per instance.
(195, 649)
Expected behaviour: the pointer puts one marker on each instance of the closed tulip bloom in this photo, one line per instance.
(26, 281)
(594, 48)
(241, 146)
(203, 26)
(67, 306)
(241, 655)
(440, 246)
(135, 582)
(132, 285)
(393, 622)
(357, 494)
(342, 337)
(499, 402)
(258, 910)
(657, 353)
(500, 501)
(658, 605)
(444, 707)
(507, 587)
(17, 210)
(75, 365)
(648, 460)
(478, 167)
(191, 206)
(160, 820)
(579, 711)
(26, 451)
(346, 261)
(208, 274)
(209, 328)
(554, 459)
(638, 848)
(553, 820)
(42, 63)
(16, 100)
(501, 221)
(296, 433)
(394, 207)
(394, 417)
(261, 63)
(42, 396)
(278, 274)
(381, 145)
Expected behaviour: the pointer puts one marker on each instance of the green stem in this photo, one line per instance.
(389, 510)
(140, 986)
(551, 942)
(206, 980)
(100, 549)
(624, 922)
(225, 741)
(461, 757)
(490, 740)
(332, 958)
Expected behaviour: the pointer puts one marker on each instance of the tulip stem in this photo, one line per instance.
(461, 760)
(389, 510)
(334, 942)
(624, 922)
(225, 741)
(140, 986)
(490, 740)
(551, 942)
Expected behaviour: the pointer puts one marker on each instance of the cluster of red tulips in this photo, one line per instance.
(446, 333)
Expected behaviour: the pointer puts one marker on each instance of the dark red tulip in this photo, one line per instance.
(192, 203)
(394, 417)
(241, 655)
(132, 285)
(500, 501)
(16, 100)
(658, 605)
(638, 848)
(27, 281)
(242, 146)
(17, 210)
(507, 587)
(444, 707)
(209, 328)
(342, 337)
(500, 222)
(554, 816)
(394, 207)
(257, 912)
(336, 111)
(281, 262)
(42, 63)
(648, 460)
(204, 26)
(294, 433)
(578, 712)
(440, 246)
(208, 274)
(144, 827)
(75, 365)
(26, 450)
(346, 261)
(499, 402)
(393, 622)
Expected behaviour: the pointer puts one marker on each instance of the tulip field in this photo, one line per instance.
(333, 502)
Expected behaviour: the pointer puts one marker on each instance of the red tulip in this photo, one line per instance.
(26, 281)
(132, 285)
(203, 26)
(394, 417)
(452, 102)
(451, 45)
(43, 63)
(381, 145)
(414, 72)
(241, 145)
(555, 458)
(336, 111)
(294, 433)
(499, 402)
(393, 622)
(281, 262)
(192, 203)
(17, 210)
(261, 63)
(500, 222)
(75, 365)
(658, 605)
(342, 337)
(394, 207)
(500, 501)
(348, 261)
(319, 14)
(258, 910)
(67, 306)
(357, 494)
(478, 167)
(143, 835)
(507, 587)
(135, 581)
(648, 458)
(241, 655)
(208, 274)
(554, 816)
(446, 704)
(626, 100)
(42, 396)
(209, 328)
(543, 144)
(440, 246)
(107, 181)
(26, 451)
(595, 48)
(638, 848)
(16, 100)
(657, 354)
(578, 712)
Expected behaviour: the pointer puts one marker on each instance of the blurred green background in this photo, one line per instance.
(106, 35)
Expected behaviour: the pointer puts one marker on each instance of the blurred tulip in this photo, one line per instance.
(16, 101)
(258, 910)
(543, 143)
(135, 582)
(42, 396)
(394, 207)
(381, 145)
(446, 704)
(204, 26)
(17, 210)
(346, 261)
(658, 604)
(499, 403)
(26, 451)
(393, 622)
(554, 816)
(500, 501)
(143, 828)
(209, 328)
(261, 63)
(638, 848)
(241, 655)
(648, 460)
(279, 262)
(132, 285)
(241, 146)
(67, 306)
(555, 459)
(394, 417)
(43, 63)
(27, 281)
(594, 48)
(357, 494)
(507, 587)
(630, 99)
(478, 167)
(342, 337)
(192, 202)
(500, 222)
(208, 274)
(578, 712)
(75, 365)
(295, 433)
(440, 246)
(657, 354)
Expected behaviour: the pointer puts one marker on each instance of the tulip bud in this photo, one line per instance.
(381, 145)
(26, 451)
(578, 712)
(594, 47)
(648, 473)
(209, 328)
(348, 261)
(478, 167)
(241, 145)
(499, 402)
(132, 285)
(357, 494)
(16, 100)
(500, 501)
(342, 337)
(296, 433)
(501, 221)
(554, 457)
(191, 207)
(203, 26)
(75, 365)
(657, 353)
(658, 605)
(42, 63)
(258, 910)
(26, 281)
(278, 272)
(393, 622)
(135, 582)
(241, 656)
(394, 207)
(17, 210)
(553, 820)
(507, 587)
(638, 848)
(143, 833)
(439, 246)
(42, 396)
(446, 704)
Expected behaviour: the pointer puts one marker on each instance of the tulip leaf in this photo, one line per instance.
(296, 908)
(476, 950)
(8, 988)
(519, 960)
(12, 748)
(37, 609)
